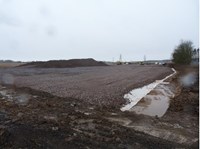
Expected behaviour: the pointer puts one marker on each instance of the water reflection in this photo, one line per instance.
(152, 99)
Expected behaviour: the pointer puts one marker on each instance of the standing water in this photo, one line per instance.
(152, 99)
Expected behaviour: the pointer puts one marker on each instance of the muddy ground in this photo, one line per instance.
(30, 118)
(104, 86)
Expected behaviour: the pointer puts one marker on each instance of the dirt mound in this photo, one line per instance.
(66, 63)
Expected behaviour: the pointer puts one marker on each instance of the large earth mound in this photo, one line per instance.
(66, 63)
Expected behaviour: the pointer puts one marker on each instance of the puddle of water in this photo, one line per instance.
(3, 93)
(12, 96)
(22, 99)
(152, 105)
(136, 95)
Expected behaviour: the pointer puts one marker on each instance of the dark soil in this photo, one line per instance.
(188, 97)
(52, 122)
(65, 63)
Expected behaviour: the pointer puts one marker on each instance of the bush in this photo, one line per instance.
(183, 53)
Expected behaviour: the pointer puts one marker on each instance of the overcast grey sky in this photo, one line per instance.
(100, 29)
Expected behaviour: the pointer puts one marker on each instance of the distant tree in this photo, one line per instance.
(183, 53)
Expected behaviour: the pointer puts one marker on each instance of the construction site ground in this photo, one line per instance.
(80, 108)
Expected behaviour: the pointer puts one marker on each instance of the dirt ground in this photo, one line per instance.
(33, 118)
(97, 85)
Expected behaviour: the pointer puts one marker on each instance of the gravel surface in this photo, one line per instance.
(96, 85)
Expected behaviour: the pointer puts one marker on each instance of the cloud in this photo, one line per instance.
(44, 11)
(5, 1)
(8, 20)
(14, 44)
(99, 29)
(50, 30)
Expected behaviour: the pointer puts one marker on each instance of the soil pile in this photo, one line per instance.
(66, 63)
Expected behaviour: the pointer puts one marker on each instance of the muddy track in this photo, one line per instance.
(52, 122)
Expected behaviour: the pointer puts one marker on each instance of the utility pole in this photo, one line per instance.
(113, 59)
(144, 58)
(120, 58)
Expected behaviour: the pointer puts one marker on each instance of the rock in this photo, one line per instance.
(118, 139)
(87, 113)
(68, 139)
(51, 118)
(113, 113)
(177, 126)
(73, 104)
(20, 114)
(54, 128)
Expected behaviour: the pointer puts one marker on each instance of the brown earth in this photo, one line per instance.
(103, 86)
(30, 118)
